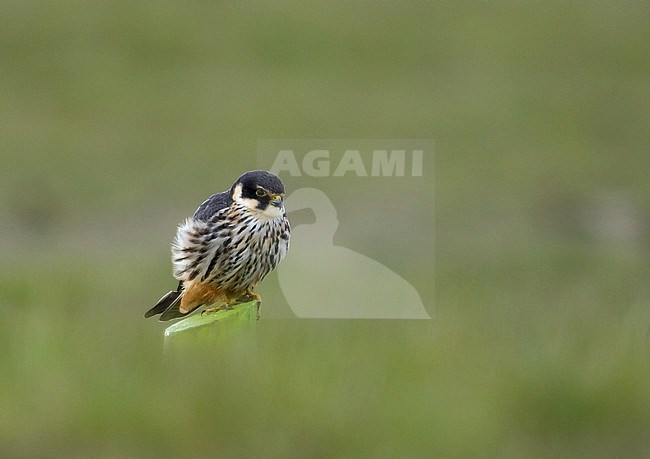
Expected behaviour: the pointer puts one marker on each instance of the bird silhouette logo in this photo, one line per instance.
(323, 280)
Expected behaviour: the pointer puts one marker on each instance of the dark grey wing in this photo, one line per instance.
(163, 304)
(174, 312)
(212, 205)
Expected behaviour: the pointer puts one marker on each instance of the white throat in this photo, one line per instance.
(269, 213)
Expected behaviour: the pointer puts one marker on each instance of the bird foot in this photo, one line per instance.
(251, 294)
(248, 296)
(223, 307)
(258, 299)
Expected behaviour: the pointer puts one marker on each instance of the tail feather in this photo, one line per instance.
(173, 311)
(168, 305)
(163, 303)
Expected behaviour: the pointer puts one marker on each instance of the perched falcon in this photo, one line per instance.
(234, 239)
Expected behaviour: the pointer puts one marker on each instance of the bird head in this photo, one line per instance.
(260, 191)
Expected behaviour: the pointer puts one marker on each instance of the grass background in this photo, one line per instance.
(117, 118)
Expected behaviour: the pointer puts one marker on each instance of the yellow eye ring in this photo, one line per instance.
(260, 193)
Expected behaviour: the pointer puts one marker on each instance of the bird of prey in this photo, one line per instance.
(234, 239)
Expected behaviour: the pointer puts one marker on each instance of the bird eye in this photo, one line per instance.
(260, 193)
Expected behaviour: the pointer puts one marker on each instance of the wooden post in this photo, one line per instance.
(207, 328)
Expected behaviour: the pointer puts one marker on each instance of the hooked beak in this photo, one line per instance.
(276, 200)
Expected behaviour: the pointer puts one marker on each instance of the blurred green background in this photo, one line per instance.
(118, 118)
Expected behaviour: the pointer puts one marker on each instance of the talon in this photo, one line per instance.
(216, 309)
(253, 295)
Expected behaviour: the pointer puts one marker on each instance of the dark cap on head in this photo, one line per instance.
(265, 179)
